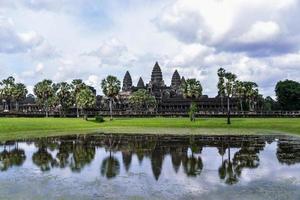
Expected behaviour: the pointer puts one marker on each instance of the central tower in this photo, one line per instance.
(156, 76)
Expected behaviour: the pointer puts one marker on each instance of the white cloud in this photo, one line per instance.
(261, 32)
(112, 52)
(16, 42)
(225, 24)
(257, 40)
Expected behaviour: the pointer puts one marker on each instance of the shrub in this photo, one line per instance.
(99, 119)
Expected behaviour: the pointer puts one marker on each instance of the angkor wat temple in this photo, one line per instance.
(169, 98)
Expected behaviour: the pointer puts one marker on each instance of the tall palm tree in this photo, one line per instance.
(221, 88)
(7, 91)
(64, 96)
(229, 91)
(191, 89)
(45, 92)
(251, 91)
(86, 99)
(240, 92)
(77, 85)
(111, 87)
(19, 93)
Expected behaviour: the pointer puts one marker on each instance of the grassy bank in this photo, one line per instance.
(17, 128)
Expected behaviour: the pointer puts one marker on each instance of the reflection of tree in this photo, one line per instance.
(83, 154)
(43, 159)
(226, 171)
(193, 165)
(245, 158)
(110, 167)
(64, 150)
(127, 157)
(15, 157)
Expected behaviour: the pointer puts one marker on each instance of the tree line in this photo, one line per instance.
(81, 96)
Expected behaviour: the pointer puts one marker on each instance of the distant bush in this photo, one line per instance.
(99, 119)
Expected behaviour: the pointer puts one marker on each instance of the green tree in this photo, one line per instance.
(85, 99)
(240, 91)
(251, 93)
(191, 89)
(229, 91)
(192, 111)
(19, 93)
(64, 96)
(111, 87)
(45, 93)
(6, 91)
(142, 99)
(77, 85)
(288, 94)
(221, 87)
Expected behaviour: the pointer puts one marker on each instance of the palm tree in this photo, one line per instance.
(45, 92)
(240, 92)
(7, 91)
(251, 92)
(19, 93)
(111, 87)
(77, 85)
(191, 89)
(64, 96)
(85, 99)
(221, 88)
(229, 91)
(142, 99)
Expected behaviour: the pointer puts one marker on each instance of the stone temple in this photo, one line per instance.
(170, 101)
(169, 98)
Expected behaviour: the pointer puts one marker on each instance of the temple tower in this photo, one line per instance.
(140, 84)
(127, 82)
(182, 80)
(176, 81)
(156, 76)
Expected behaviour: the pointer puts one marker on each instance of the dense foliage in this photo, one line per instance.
(288, 94)
(111, 87)
(142, 100)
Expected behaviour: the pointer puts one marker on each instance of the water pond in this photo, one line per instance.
(104, 166)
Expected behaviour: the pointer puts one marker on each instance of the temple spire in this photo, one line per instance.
(127, 82)
(156, 76)
(182, 80)
(140, 83)
(176, 81)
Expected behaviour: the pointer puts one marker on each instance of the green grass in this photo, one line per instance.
(18, 128)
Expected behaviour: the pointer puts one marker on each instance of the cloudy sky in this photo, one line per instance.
(259, 40)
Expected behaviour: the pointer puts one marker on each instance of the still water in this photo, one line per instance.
(104, 166)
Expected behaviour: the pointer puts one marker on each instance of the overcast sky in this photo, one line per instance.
(90, 39)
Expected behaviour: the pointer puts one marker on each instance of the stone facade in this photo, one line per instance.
(169, 98)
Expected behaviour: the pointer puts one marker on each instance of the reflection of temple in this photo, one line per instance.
(77, 152)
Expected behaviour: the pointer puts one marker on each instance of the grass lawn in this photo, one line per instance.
(18, 128)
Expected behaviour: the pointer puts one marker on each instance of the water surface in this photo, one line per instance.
(105, 166)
